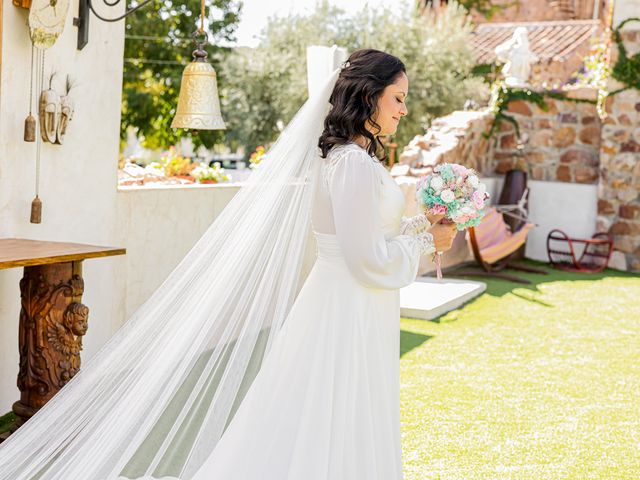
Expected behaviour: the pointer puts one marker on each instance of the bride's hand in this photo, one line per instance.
(433, 219)
(443, 235)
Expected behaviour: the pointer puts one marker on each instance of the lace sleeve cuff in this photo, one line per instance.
(427, 245)
(414, 225)
(417, 227)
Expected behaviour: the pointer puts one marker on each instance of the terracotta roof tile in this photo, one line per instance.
(549, 40)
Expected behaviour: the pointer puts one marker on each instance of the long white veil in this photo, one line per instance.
(154, 401)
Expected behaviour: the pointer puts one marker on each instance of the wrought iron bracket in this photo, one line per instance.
(84, 13)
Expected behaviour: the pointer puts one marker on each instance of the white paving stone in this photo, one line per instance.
(428, 298)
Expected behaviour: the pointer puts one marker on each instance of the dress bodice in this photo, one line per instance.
(357, 218)
(391, 202)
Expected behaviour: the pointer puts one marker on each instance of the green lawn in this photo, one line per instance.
(527, 382)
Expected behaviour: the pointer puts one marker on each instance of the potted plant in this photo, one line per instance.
(203, 173)
(175, 165)
(257, 157)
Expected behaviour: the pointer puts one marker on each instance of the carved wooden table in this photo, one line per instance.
(52, 317)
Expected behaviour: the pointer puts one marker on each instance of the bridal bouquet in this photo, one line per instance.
(454, 191)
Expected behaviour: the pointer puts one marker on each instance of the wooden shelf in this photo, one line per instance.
(20, 252)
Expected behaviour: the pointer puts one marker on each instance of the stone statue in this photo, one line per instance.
(204, 154)
(518, 58)
(186, 147)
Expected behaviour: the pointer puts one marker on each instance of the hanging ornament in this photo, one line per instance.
(36, 204)
(66, 113)
(198, 102)
(36, 210)
(49, 113)
(30, 121)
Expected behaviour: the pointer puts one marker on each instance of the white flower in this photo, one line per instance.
(482, 188)
(436, 183)
(473, 181)
(467, 210)
(447, 196)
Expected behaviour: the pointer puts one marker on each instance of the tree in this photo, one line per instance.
(265, 86)
(158, 45)
(262, 88)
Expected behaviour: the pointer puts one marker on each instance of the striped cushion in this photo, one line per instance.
(495, 240)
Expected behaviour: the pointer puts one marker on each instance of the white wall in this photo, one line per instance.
(625, 9)
(159, 226)
(77, 179)
(571, 207)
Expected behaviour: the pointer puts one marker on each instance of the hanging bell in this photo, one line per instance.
(30, 129)
(36, 210)
(198, 103)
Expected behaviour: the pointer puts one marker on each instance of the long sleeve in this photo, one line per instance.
(373, 260)
(417, 227)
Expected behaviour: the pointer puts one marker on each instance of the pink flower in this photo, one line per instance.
(478, 199)
(439, 210)
(459, 170)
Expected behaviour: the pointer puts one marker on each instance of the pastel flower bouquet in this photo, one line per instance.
(454, 191)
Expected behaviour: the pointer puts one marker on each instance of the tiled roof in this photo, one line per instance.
(549, 40)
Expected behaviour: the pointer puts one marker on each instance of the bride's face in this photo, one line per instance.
(391, 106)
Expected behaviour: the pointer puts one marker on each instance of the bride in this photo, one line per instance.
(237, 367)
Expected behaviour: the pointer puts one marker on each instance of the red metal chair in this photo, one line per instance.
(564, 252)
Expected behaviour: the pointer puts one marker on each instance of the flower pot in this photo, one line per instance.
(188, 178)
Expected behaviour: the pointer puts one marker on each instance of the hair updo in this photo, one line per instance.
(354, 99)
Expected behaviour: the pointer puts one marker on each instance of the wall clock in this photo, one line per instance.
(46, 21)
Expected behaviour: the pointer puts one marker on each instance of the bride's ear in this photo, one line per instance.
(371, 104)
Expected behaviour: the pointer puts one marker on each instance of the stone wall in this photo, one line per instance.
(561, 144)
(456, 138)
(567, 143)
(619, 183)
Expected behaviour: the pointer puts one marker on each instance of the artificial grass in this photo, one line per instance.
(526, 382)
(6, 420)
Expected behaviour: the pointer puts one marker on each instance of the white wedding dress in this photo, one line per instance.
(227, 371)
(325, 404)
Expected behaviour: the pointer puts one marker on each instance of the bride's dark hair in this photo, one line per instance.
(354, 99)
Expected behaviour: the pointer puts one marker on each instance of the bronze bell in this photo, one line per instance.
(198, 103)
